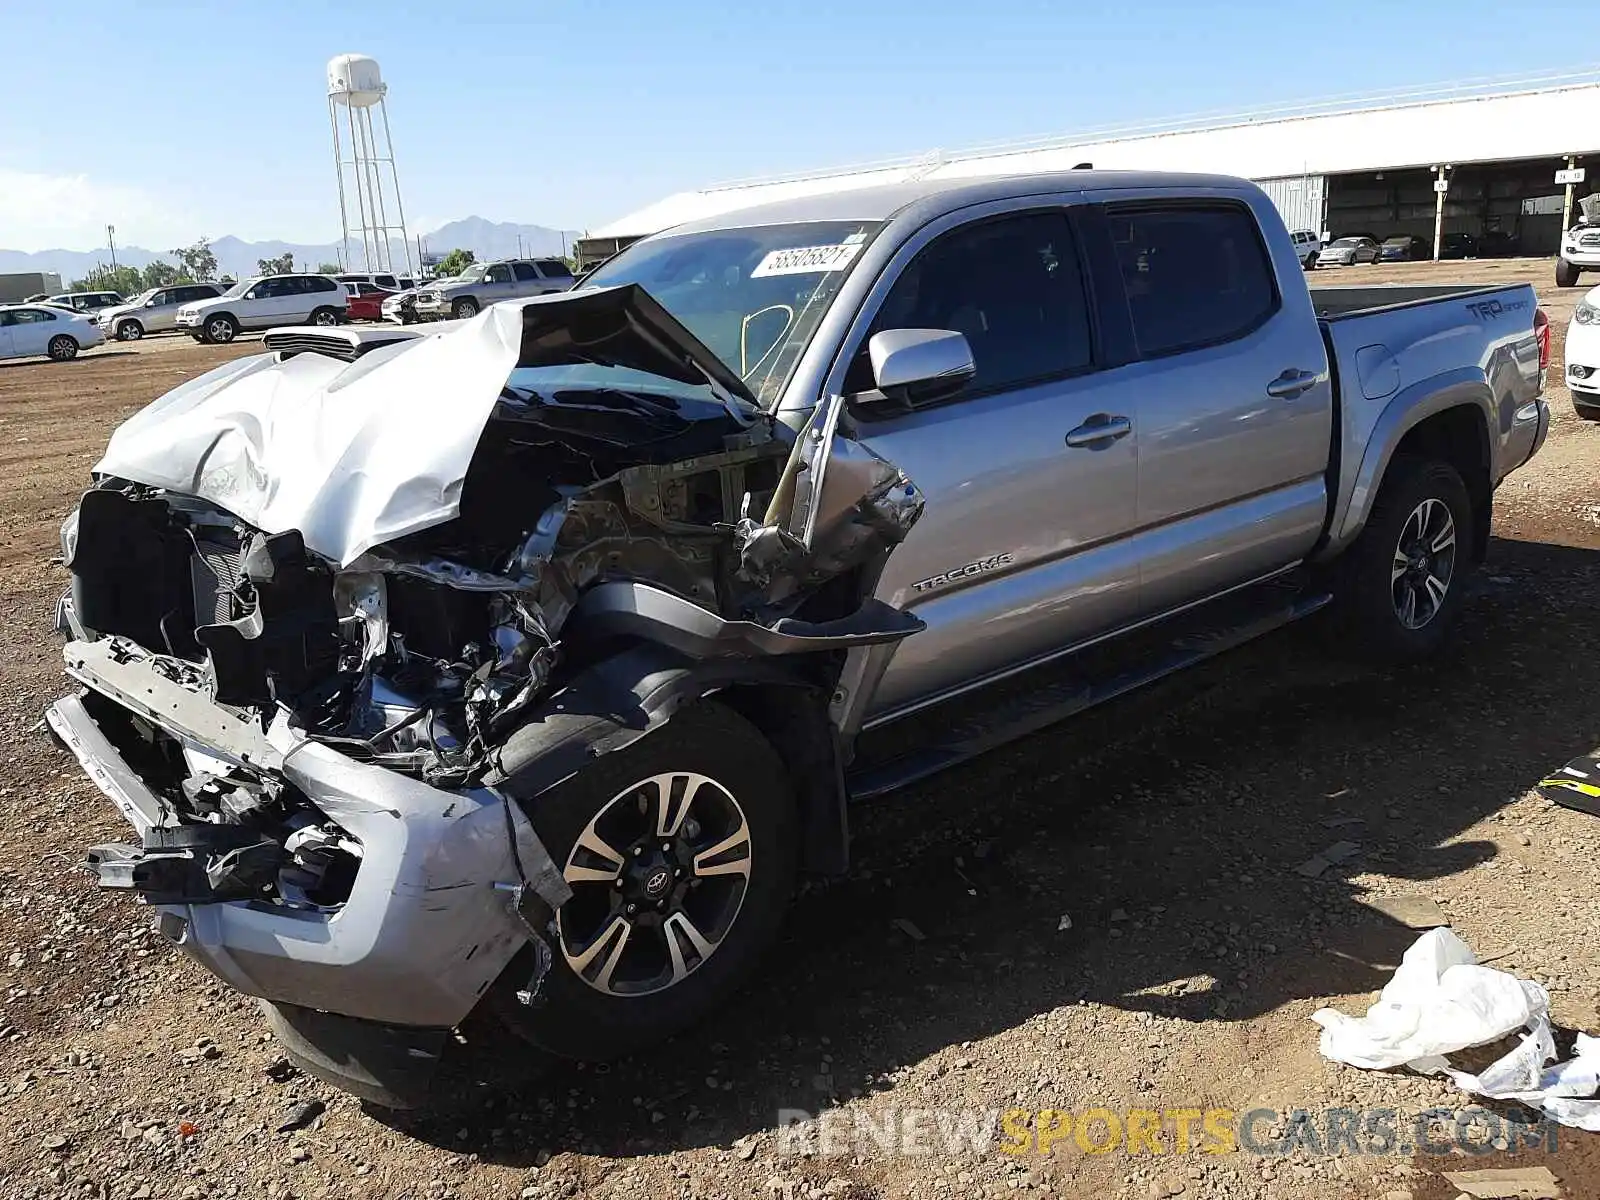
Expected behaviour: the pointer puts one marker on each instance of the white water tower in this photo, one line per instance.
(366, 166)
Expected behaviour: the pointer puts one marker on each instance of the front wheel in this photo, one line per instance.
(62, 348)
(1403, 579)
(680, 851)
(464, 308)
(129, 331)
(1566, 274)
(221, 329)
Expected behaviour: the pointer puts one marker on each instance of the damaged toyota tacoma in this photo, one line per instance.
(525, 661)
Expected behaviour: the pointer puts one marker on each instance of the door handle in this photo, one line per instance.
(1099, 429)
(1290, 384)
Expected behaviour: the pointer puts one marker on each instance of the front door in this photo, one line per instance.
(1235, 400)
(1029, 482)
(6, 319)
(499, 283)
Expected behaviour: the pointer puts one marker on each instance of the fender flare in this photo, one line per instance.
(630, 695)
(1467, 388)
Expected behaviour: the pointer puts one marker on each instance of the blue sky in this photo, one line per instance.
(174, 120)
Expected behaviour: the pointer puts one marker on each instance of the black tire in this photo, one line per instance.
(1371, 595)
(219, 328)
(325, 316)
(573, 1018)
(129, 330)
(1567, 275)
(464, 308)
(62, 348)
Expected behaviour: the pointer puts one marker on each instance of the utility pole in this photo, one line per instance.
(1574, 174)
(1441, 187)
(111, 240)
(519, 245)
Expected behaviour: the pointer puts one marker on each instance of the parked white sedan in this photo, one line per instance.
(29, 329)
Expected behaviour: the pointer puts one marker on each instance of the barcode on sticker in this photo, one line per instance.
(803, 260)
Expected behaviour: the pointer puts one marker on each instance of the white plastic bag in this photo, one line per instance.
(1441, 1001)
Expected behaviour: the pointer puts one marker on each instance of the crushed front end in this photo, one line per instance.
(303, 721)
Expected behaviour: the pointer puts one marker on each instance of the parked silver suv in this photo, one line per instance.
(154, 311)
(481, 284)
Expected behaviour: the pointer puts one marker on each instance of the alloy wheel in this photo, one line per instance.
(658, 878)
(1424, 563)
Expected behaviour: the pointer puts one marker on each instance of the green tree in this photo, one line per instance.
(197, 261)
(457, 261)
(282, 265)
(125, 280)
(328, 268)
(161, 273)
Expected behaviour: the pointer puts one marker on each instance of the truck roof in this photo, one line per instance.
(935, 197)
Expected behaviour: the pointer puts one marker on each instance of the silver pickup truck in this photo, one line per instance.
(527, 661)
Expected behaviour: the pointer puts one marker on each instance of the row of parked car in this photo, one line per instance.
(1357, 248)
(60, 326)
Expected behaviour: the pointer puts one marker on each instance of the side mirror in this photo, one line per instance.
(920, 366)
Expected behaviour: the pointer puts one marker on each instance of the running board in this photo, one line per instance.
(963, 728)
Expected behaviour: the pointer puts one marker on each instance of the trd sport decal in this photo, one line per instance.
(972, 568)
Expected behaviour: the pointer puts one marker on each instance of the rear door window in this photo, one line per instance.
(525, 272)
(1195, 275)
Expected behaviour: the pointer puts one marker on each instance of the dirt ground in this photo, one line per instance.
(937, 979)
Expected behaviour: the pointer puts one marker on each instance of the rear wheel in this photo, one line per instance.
(325, 316)
(62, 348)
(680, 851)
(129, 331)
(221, 329)
(464, 308)
(1566, 274)
(1403, 579)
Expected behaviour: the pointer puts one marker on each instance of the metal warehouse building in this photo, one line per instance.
(1501, 161)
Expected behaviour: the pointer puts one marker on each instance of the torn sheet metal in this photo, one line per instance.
(356, 454)
(1441, 1000)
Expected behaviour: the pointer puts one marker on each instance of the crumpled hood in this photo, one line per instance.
(356, 454)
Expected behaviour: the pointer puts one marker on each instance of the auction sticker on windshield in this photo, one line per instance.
(803, 260)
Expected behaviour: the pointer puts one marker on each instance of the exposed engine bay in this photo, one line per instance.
(631, 493)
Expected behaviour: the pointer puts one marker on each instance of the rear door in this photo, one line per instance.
(528, 281)
(303, 296)
(7, 319)
(1016, 556)
(1234, 397)
(557, 275)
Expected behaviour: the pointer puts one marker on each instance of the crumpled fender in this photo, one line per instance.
(611, 705)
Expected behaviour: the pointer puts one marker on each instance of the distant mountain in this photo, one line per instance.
(486, 239)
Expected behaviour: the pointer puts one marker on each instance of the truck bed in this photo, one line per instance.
(1394, 347)
(1338, 303)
